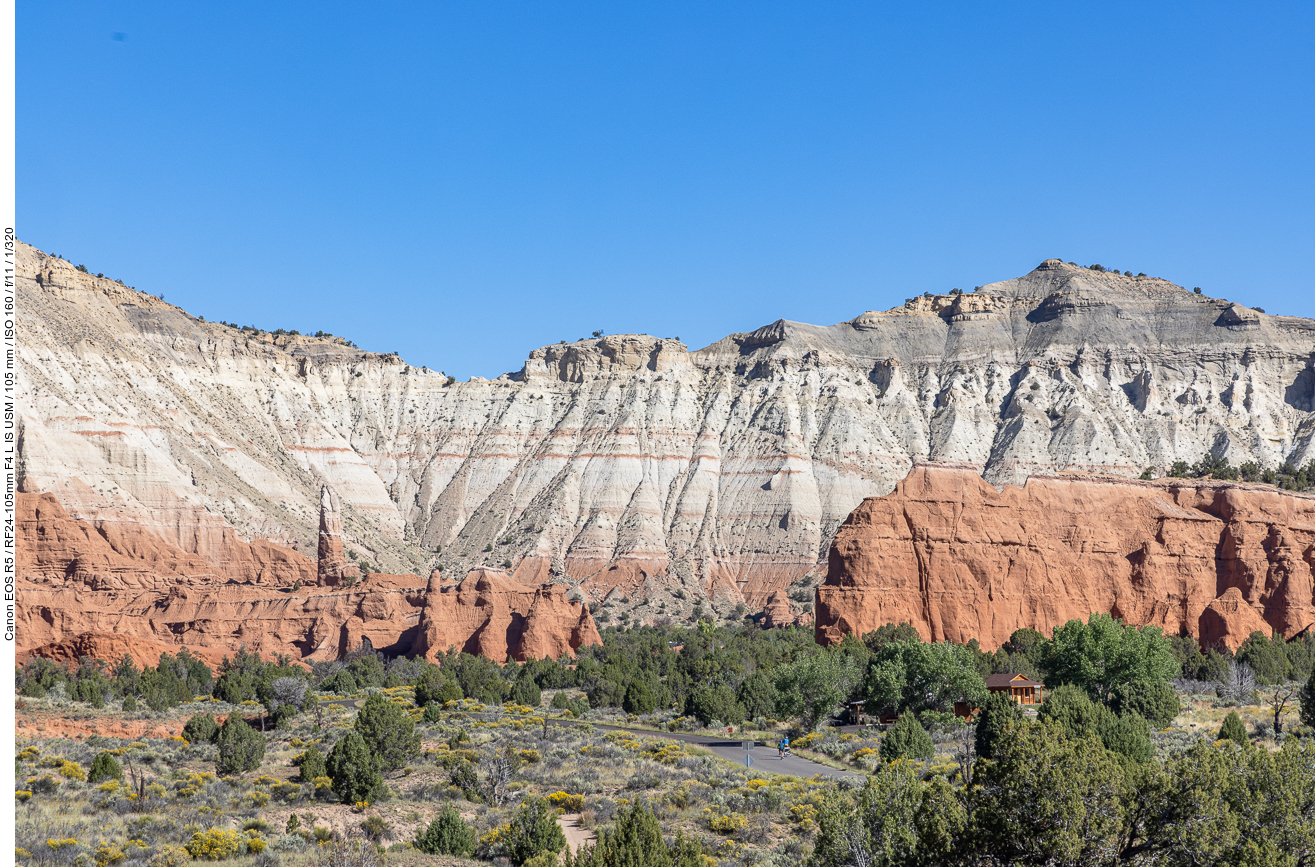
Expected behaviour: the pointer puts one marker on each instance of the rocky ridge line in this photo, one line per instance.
(627, 465)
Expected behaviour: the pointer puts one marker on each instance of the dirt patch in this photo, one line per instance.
(575, 835)
(78, 729)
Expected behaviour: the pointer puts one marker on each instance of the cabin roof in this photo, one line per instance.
(999, 681)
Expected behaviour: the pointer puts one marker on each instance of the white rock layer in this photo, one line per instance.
(628, 462)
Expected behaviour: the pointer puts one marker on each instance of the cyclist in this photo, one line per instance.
(783, 746)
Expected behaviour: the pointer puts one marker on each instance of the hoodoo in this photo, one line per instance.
(333, 567)
(960, 560)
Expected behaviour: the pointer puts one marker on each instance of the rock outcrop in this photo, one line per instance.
(332, 565)
(628, 464)
(95, 590)
(960, 560)
(56, 550)
(491, 614)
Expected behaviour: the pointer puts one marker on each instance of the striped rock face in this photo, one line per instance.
(628, 465)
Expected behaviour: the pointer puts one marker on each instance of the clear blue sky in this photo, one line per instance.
(465, 182)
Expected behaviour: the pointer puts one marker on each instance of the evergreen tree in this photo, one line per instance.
(525, 691)
(533, 830)
(907, 739)
(104, 767)
(354, 770)
(636, 841)
(311, 765)
(997, 713)
(201, 728)
(1234, 730)
(1155, 701)
(757, 695)
(447, 835)
(639, 698)
(240, 746)
(1308, 701)
(388, 731)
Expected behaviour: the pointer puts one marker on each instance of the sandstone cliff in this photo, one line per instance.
(959, 560)
(87, 589)
(628, 464)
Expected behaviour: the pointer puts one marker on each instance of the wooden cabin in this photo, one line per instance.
(1021, 688)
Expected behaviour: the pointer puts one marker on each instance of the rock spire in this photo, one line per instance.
(333, 566)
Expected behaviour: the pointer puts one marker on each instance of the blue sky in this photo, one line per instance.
(465, 182)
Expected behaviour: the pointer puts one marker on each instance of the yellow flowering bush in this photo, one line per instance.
(28, 754)
(529, 757)
(724, 823)
(569, 803)
(171, 856)
(23, 796)
(215, 844)
(106, 854)
(72, 771)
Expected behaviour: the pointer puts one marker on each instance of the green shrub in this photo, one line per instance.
(434, 686)
(1155, 701)
(525, 691)
(240, 746)
(388, 731)
(201, 728)
(104, 767)
(433, 712)
(311, 764)
(354, 770)
(1234, 730)
(130, 703)
(907, 739)
(533, 830)
(447, 835)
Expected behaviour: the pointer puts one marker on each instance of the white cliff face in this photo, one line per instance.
(628, 462)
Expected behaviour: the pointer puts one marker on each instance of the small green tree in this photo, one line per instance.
(433, 712)
(757, 694)
(639, 698)
(708, 703)
(311, 765)
(433, 685)
(1155, 701)
(130, 703)
(240, 746)
(388, 731)
(104, 767)
(1234, 730)
(997, 713)
(201, 728)
(1308, 701)
(533, 830)
(907, 739)
(447, 835)
(877, 827)
(636, 841)
(525, 691)
(354, 771)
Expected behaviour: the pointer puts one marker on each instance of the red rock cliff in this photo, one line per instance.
(98, 589)
(958, 559)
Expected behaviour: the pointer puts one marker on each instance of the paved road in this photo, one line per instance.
(764, 756)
